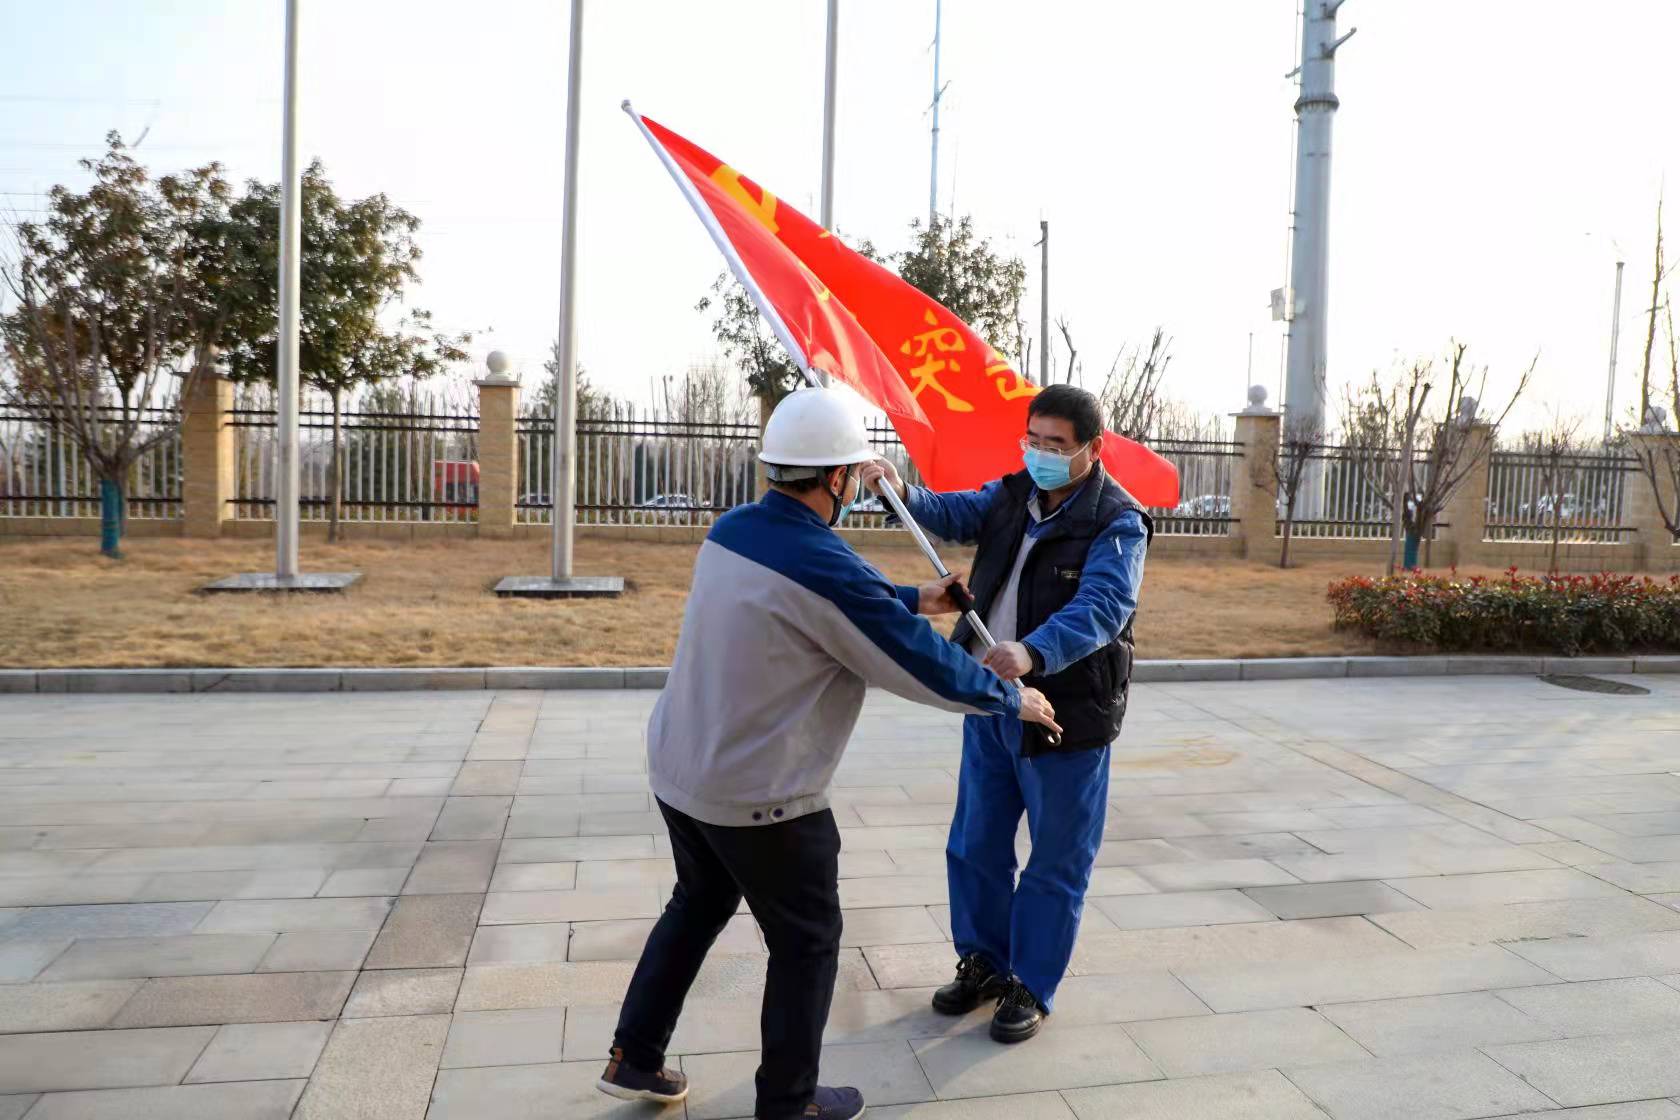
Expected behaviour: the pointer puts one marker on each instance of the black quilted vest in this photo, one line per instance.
(1090, 695)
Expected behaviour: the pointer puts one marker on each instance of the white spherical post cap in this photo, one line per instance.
(497, 363)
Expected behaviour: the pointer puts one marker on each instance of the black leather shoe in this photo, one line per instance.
(1019, 1014)
(976, 981)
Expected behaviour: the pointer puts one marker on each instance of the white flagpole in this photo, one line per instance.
(291, 239)
(565, 395)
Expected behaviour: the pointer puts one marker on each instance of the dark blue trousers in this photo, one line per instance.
(1025, 927)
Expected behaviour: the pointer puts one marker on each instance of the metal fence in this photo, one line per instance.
(1580, 497)
(1205, 470)
(419, 464)
(638, 467)
(43, 472)
(1343, 492)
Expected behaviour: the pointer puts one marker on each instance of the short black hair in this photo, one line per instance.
(1071, 403)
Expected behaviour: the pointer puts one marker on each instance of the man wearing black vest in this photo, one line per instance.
(1056, 579)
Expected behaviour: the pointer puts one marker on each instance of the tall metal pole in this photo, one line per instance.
(291, 240)
(1044, 302)
(1615, 336)
(833, 63)
(933, 173)
(565, 396)
(1315, 108)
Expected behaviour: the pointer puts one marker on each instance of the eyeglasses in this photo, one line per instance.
(1029, 445)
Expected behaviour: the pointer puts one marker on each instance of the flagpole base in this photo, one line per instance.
(572, 587)
(309, 582)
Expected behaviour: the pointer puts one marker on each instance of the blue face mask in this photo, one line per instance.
(845, 507)
(1050, 470)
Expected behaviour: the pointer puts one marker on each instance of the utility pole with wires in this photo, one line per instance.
(1304, 304)
(938, 93)
(1043, 301)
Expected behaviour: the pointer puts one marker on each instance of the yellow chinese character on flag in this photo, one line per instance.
(925, 348)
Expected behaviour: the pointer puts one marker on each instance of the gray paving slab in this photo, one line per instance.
(1632, 1110)
(261, 1052)
(1029, 1106)
(426, 931)
(289, 915)
(1427, 1087)
(1605, 958)
(51, 1062)
(318, 951)
(972, 1065)
(376, 1069)
(886, 1073)
(1597, 1070)
(14, 1106)
(1449, 891)
(403, 991)
(1330, 900)
(247, 1100)
(538, 1092)
(509, 1038)
(1599, 1007)
(146, 919)
(1297, 983)
(453, 867)
(68, 1006)
(1181, 908)
(1264, 1095)
(1236, 1043)
(25, 960)
(256, 998)
(1436, 1024)
(196, 954)
(1529, 922)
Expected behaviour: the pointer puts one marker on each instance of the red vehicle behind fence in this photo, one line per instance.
(455, 485)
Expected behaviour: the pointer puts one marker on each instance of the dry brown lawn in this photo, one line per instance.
(63, 605)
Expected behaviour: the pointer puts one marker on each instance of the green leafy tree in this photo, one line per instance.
(961, 270)
(358, 258)
(120, 297)
(746, 339)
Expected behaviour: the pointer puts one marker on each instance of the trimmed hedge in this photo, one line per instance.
(1566, 615)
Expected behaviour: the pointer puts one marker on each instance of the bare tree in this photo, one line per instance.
(1557, 450)
(1659, 274)
(1298, 441)
(1376, 420)
(1073, 351)
(1131, 392)
(1659, 459)
(1447, 462)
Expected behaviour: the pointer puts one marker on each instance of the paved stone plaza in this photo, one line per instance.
(1425, 899)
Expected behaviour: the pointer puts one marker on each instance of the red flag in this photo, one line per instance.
(954, 400)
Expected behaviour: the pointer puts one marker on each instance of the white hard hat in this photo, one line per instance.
(815, 428)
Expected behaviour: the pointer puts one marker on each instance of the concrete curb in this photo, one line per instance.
(88, 681)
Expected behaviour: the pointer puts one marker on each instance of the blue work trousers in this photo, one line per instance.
(1026, 927)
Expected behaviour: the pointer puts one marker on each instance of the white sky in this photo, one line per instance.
(1488, 154)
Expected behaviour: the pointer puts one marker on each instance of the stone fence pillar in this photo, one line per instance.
(207, 456)
(1254, 488)
(1642, 513)
(1467, 508)
(498, 451)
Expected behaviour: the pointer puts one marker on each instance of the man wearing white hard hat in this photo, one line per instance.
(785, 628)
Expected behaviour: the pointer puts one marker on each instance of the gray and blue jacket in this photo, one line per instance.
(785, 628)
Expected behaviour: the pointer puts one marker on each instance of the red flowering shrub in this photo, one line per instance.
(1548, 614)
